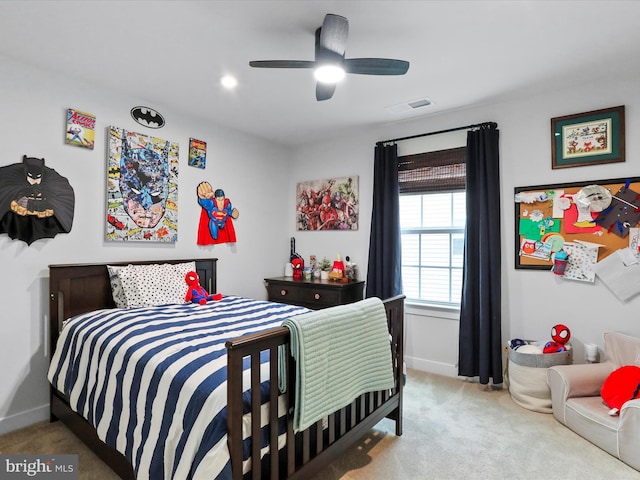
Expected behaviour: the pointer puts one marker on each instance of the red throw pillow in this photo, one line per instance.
(621, 386)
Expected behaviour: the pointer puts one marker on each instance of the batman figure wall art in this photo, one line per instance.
(35, 201)
(142, 188)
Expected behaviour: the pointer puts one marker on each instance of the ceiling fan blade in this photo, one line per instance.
(333, 34)
(330, 44)
(324, 91)
(282, 64)
(375, 66)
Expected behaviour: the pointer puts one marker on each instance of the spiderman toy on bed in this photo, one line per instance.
(197, 294)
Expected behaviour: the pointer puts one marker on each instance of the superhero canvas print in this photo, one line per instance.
(142, 188)
(330, 204)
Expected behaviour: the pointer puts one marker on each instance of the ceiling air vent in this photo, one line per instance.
(410, 106)
(420, 103)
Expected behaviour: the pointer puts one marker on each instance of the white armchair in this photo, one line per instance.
(576, 401)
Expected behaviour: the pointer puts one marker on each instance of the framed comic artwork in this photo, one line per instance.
(328, 204)
(142, 188)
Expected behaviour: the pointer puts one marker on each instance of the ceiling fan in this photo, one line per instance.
(330, 64)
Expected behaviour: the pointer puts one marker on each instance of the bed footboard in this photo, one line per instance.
(306, 452)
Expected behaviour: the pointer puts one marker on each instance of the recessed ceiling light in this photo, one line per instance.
(228, 81)
(329, 74)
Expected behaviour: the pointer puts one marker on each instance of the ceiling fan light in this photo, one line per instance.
(329, 73)
(228, 81)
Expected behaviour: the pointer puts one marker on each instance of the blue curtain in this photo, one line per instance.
(384, 278)
(480, 342)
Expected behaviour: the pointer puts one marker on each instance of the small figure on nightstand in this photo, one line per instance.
(337, 271)
(298, 268)
(348, 268)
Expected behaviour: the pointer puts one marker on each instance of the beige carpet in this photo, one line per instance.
(47, 438)
(455, 430)
(452, 430)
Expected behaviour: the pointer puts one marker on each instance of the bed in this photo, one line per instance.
(259, 438)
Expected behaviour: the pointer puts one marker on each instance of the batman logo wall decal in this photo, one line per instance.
(147, 117)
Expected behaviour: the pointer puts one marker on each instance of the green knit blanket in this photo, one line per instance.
(341, 352)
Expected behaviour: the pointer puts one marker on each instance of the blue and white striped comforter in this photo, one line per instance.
(153, 380)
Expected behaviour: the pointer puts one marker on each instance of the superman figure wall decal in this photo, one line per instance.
(216, 217)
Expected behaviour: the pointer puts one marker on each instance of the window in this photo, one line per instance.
(432, 223)
(432, 236)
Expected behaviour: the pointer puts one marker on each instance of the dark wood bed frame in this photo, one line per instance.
(79, 288)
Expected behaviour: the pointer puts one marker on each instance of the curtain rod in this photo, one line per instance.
(468, 127)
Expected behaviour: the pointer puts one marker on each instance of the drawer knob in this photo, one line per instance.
(316, 296)
(283, 292)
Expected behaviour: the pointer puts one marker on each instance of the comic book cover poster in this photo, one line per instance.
(81, 129)
(197, 153)
(330, 204)
(142, 188)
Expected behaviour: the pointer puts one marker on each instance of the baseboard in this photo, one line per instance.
(431, 366)
(24, 419)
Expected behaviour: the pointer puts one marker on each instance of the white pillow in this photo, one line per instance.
(149, 285)
(116, 286)
(127, 276)
(181, 270)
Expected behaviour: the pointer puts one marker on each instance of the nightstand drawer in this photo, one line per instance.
(283, 293)
(320, 296)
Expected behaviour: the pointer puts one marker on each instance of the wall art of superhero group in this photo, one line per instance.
(330, 204)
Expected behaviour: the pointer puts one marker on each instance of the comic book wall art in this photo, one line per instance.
(330, 204)
(197, 153)
(80, 129)
(142, 188)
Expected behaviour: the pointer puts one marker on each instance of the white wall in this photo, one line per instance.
(344, 157)
(34, 105)
(533, 301)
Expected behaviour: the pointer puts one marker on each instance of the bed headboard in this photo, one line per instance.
(80, 288)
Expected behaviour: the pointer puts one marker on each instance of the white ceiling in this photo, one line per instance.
(462, 53)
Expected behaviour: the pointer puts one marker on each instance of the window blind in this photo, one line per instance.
(432, 171)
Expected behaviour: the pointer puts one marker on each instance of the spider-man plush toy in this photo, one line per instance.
(298, 266)
(197, 294)
(560, 334)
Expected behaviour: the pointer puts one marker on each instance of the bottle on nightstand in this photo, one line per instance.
(348, 268)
